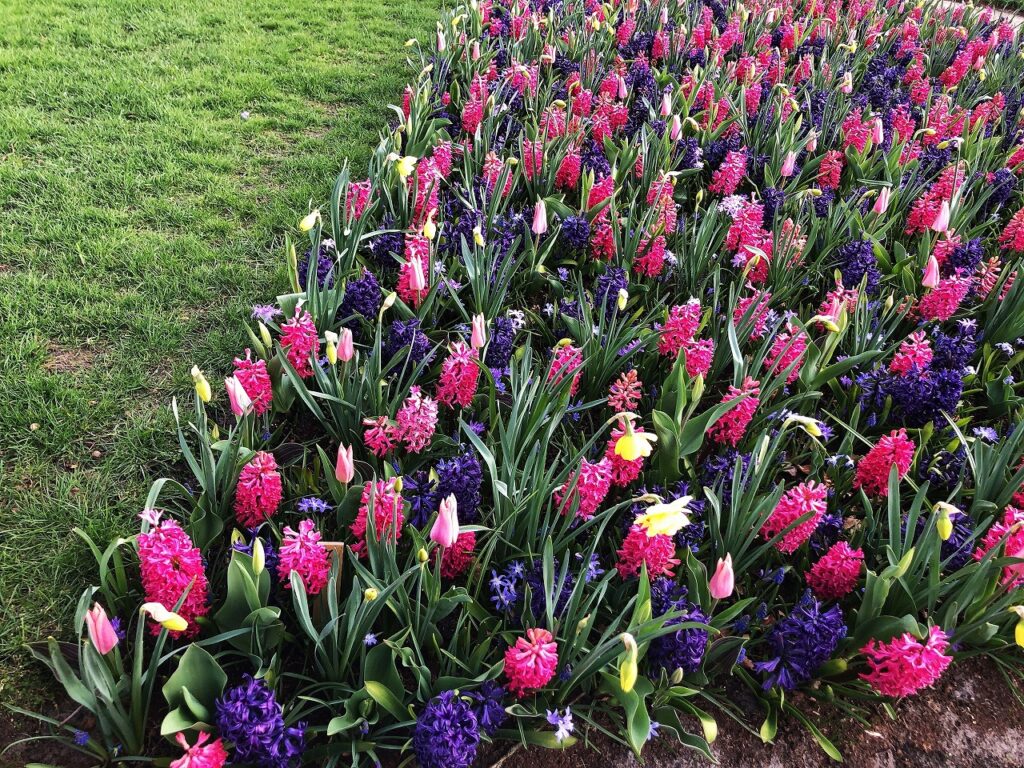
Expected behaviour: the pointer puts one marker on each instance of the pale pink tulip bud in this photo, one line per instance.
(666, 105)
(723, 582)
(344, 468)
(417, 280)
(788, 164)
(101, 631)
(445, 530)
(664, 15)
(241, 404)
(479, 336)
(878, 131)
(882, 203)
(475, 50)
(846, 86)
(623, 91)
(941, 223)
(812, 142)
(346, 347)
(931, 273)
(540, 218)
(441, 44)
(677, 128)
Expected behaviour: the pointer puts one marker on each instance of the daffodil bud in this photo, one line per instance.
(478, 236)
(370, 594)
(389, 301)
(169, 620)
(259, 556)
(582, 624)
(628, 669)
(698, 387)
(332, 347)
(623, 298)
(1018, 631)
(398, 484)
(203, 388)
(677, 676)
(806, 423)
(422, 555)
(309, 221)
(944, 519)
(268, 342)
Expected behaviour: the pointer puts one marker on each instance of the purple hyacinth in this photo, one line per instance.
(250, 718)
(461, 476)
(684, 648)
(856, 261)
(362, 297)
(576, 232)
(447, 733)
(489, 707)
(324, 265)
(407, 334)
(800, 643)
(500, 346)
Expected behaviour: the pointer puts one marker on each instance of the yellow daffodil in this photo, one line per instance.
(628, 669)
(944, 522)
(634, 445)
(332, 346)
(309, 221)
(1018, 631)
(663, 519)
(169, 620)
(370, 594)
(623, 298)
(811, 426)
(203, 388)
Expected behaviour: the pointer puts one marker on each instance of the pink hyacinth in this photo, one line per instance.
(531, 662)
(731, 427)
(1011, 530)
(680, 328)
(416, 421)
(650, 259)
(567, 361)
(258, 493)
(592, 483)
(699, 355)
(200, 754)
(380, 437)
(914, 354)
(301, 343)
(388, 514)
(625, 392)
(459, 376)
(943, 302)
(806, 498)
(759, 300)
(170, 564)
(302, 552)
(831, 169)
(837, 572)
(624, 471)
(894, 449)
(904, 665)
(730, 173)
(456, 559)
(788, 349)
(253, 376)
(1012, 237)
(357, 198)
(658, 553)
(414, 275)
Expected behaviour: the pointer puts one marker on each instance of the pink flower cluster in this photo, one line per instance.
(531, 662)
(837, 572)
(807, 498)
(678, 334)
(567, 361)
(894, 449)
(731, 427)
(905, 665)
(301, 552)
(592, 482)
(456, 559)
(301, 343)
(658, 553)
(170, 565)
(1011, 531)
(253, 376)
(258, 493)
(416, 421)
(387, 513)
(459, 375)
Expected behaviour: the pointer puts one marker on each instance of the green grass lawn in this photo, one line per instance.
(140, 218)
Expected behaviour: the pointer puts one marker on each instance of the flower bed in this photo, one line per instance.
(665, 347)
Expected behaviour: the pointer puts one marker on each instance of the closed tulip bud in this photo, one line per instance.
(417, 280)
(664, 15)
(941, 223)
(332, 346)
(877, 131)
(441, 43)
(882, 203)
(540, 218)
(846, 85)
(259, 556)
(666, 105)
(309, 221)
(370, 594)
(344, 465)
(237, 396)
(723, 581)
(931, 273)
(677, 128)
(475, 50)
(445, 530)
(788, 165)
(101, 632)
(346, 347)
(812, 142)
(202, 385)
(169, 620)
(698, 387)
(628, 670)
(623, 90)
(478, 337)
(398, 484)
(422, 555)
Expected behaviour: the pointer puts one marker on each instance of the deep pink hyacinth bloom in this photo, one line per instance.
(729, 429)
(380, 437)
(837, 572)
(1012, 237)
(413, 286)
(1010, 529)
(788, 348)
(302, 552)
(831, 169)
(944, 300)
(456, 559)
(592, 483)
(658, 553)
(760, 301)
(625, 392)
(459, 376)
(201, 754)
(624, 471)
(258, 493)
(170, 564)
(388, 515)
(416, 421)
(680, 328)
(531, 662)
(805, 498)
(904, 665)
(357, 198)
(567, 361)
(650, 260)
(914, 353)
(301, 343)
(253, 376)
(873, 470)
(730, 173)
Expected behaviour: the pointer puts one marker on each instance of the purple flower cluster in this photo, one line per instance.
(800, 643)
(684, 648)
(250, 718)
(447, 733)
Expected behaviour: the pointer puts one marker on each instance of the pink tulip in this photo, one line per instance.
(417, 280)
(846, 86)
(344, 467)
(931, 273)
(540, 218)
(240, 401)
(882, 203)
(475, 50)
(878, 131)
(101, 631)
(666, 105)
(812, 142)
(788, 164)
(723, 581)
(623, 91)
(346, 348)
(677, 128)
(479, 335)
(941, 223)
(664, 15)
(446, 527)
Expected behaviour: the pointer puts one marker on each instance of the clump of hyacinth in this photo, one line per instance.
(249, 717)
(892, 450)
(657, 552)
(804, 500)
(684, 648)
(253, 376)
(416, 420)
(731, 427)
(531, 662)
(301, 552)
(588, 486)
(905, 665)
(489, 707)
(203, 754)
(837, 572)
(459, 376)
(625, 392)
(787, 350)
(677, 335)
(170, 565)
(456, 559)
(462, 477)
(301, 343)
(1008, 533)
(944, 300)
(567, 361)
(800, 643)
(447, 733)
(258, 493)
(387, 512)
